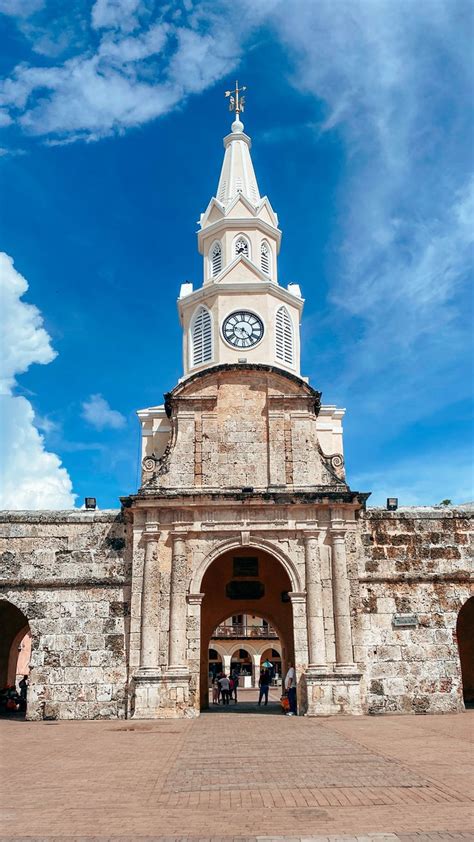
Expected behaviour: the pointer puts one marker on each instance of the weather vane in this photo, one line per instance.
(236, 102)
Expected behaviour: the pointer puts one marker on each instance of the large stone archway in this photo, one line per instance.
(465, 638)
(247, 580)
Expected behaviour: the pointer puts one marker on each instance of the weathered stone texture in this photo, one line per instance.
(412, 562)
(69, 573)
(232, 430)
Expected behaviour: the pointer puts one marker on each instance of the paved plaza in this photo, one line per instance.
(243, 777)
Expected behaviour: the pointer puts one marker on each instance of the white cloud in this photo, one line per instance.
(31, 478)
(140, 70)
(423, 480)
(117, 14)
(20, 8)
(395, 87)
(46, 425)
(25, 340)
(97, 412)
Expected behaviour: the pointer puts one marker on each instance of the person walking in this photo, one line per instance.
(290, 687)
(235, 678)
(263, 683)
(215, 690)
(225, 689)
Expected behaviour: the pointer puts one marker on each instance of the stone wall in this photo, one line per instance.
(414, 566)
(69, 573)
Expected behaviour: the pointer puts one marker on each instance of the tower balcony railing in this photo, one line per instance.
(242, 631)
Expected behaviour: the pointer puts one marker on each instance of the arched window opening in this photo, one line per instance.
(241, 662)
(201, 337)
(284, 337)
(216, 259)
(265, 258)
(241, 247)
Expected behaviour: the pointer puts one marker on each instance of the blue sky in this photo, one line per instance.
(112, 116)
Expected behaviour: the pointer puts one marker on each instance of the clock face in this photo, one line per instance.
(242, 329)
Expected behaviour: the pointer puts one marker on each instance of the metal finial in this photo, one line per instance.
(236, 101)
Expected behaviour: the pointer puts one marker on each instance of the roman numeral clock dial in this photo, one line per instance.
(242, 329)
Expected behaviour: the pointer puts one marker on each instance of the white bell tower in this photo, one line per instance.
(240, 314)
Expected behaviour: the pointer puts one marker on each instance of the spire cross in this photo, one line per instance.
(236, 102)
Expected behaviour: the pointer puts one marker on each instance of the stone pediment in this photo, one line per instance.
(238, 426)
(241, 270)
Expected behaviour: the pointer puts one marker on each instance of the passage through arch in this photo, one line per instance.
(245, 613)
(15, 654)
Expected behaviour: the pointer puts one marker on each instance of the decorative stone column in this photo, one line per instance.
(256, 669)
(300, 635)
(194, 601)
(334, 689)
(179, 701)
(314, 603)
(226, 664)
(148, 679)
(341, 594)
(177, 638)
(150, 626)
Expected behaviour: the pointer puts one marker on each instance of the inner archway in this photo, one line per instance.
(465, 638)
(15, 654)
(245, 582)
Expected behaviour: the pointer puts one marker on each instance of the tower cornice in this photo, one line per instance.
(237, 224)
(238, 288)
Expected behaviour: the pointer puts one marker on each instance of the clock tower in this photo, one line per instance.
(243, 506)
(241, 314)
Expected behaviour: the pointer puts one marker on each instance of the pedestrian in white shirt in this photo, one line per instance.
(290, 687)
(225, 689)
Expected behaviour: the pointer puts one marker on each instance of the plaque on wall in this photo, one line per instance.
(245, 566)
(244, 590)
(404, 620)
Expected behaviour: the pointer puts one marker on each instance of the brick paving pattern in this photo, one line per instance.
(249, 778)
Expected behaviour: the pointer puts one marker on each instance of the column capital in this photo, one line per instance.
(312, 532)
(179, 531)
(338, 531)
(151, 532)
(296, 596)
(195, 598)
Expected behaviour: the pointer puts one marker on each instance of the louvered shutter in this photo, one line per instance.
(216, 259)
(265, 258)
(284, 337)
(202, 337)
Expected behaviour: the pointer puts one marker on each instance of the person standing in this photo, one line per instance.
(263, 683)
(290, 687)
(225, 689)
(235, 678)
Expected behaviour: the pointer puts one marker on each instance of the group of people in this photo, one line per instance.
(12, 701)
(224, 687)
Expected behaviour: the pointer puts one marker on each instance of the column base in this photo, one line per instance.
(331, 693)
(163, 695)
(345, 669)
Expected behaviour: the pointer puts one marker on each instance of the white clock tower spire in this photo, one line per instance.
(241, 314)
